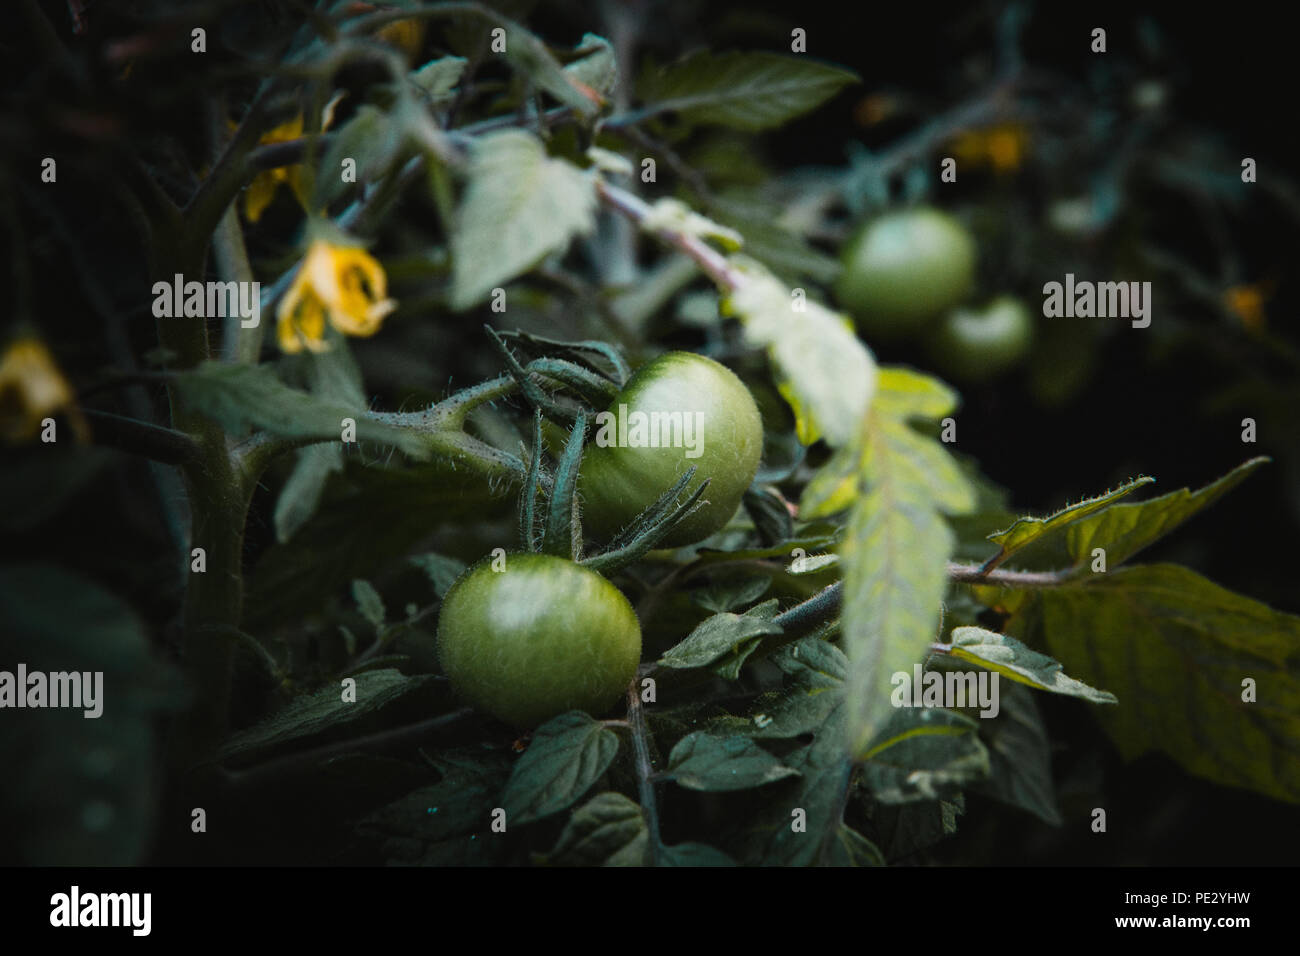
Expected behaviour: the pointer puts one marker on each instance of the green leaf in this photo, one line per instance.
(332, 375)
(519, 206)
(675, 216)
(824, 367)
(371, 139)
(240, 397)
(383, 698)
(1124, 530)
(1009, 657)
(750, 91)
(721, 598)
(441, 570)
(925, 753)
(597, 67)
(1020, 757)
(433, 825)
(567, 755)
(904, 829)
(895, 559)
(1176, 649)
(702, 761)
(1027, 531)
(369, 603)
(905, 394)
(851, 848)
(817, 669)
(820, 794)
(437, 78)
(722, 635)
(78, 790)
(527, 54)
(694, 854)
(608, 830)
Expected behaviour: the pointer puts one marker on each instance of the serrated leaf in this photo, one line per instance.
(519, 206)
(1175, 648)
(1027, 531)
(1020, 757)
(895, 563)
(323, 716)
(567, 755)
(750, 91)
(817, 670)
(369, 603)
(608, 830)
(825, 367)
(925, 753)
(820, 793)
(1124, 530)
(702, 761)
(1011, 658)
(721, 635)
(437, 78)
(240, 397)
(904, 394)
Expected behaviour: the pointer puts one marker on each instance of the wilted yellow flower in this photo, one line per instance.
(32, 389)
(262, 189)
(406, 35)
(342, 283)
(1246, 302)
(1000, 147)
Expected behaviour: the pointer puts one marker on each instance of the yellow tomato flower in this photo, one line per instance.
(1000, 147)
(1246, 302)
(262, 189)
(343, 284)
(32, 389)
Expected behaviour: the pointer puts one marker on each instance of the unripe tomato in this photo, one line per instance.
(538, 638)
(721, 433)
(975, 345)
(904, 268)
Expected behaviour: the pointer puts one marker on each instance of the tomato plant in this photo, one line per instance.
(380, 424)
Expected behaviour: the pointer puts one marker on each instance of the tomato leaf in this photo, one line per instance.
(750, 91)
(1177, 649)
(702, 761)
(1009, 657)
(567, 755)
(608, 830)
(519, 206)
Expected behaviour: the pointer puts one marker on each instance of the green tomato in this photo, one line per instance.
(975, 345)
(677, 411)
(904, 268)
(537, 638)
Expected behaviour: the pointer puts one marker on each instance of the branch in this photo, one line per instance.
(644, 769)
(154, 442)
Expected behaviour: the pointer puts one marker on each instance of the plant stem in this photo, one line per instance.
(644, 769)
